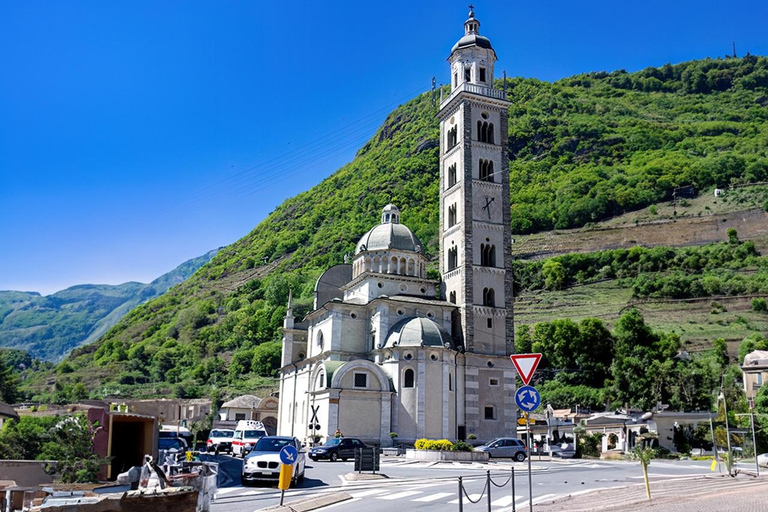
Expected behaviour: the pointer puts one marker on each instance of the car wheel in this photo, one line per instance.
(519, 456)
(343, 459)
(334, 457)
(301, 476)
(313, 459)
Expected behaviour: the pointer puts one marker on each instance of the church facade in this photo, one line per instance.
(387, 350)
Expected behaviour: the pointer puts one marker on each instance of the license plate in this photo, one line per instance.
(266, 473)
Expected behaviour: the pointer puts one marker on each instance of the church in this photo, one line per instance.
(387, 350)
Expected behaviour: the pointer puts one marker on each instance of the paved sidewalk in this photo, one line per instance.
(716, 493)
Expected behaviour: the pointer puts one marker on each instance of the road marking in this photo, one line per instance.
(398, 495)
(502, 502)
(370, 492)
(473, 497)
(227, 490)
(433, 497)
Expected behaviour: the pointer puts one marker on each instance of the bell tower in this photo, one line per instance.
(475, 233)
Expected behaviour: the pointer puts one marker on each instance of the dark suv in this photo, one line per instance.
(338, 448)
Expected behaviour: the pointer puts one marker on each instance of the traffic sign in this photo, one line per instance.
(527, 398)
(525, 364)
(288, 454)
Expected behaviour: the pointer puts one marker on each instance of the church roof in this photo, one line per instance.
(472, 40)
(418, 332)
(243, 402)
(7, 411)
(390, 234)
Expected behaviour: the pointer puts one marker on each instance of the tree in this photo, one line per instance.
(644, 455)
(266, 359)
(8, 383)
(554, 275)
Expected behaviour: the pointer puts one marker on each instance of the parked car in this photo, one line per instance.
(173, 447)
(247, 433)
(505, 447)
(263, 463)
(220, 440)
(338, 448)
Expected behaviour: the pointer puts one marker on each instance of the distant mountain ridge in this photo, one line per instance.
(48, 327)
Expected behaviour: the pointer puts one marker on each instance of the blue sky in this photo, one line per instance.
(136, 135)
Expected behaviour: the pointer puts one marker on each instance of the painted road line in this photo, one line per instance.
(369, 492)
(398, 495)
(434, 497)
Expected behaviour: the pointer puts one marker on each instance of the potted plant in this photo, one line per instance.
(393, 435)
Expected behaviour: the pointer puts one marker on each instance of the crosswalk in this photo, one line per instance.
(448, 498)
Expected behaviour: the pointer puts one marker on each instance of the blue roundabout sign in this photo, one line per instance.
(527, 398)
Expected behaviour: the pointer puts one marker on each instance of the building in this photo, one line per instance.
(7, 413)
(755, 371)
(388, 350)
(249, 407)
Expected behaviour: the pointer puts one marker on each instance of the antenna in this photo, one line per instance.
(433, 90)
(505, 84)
(733, 45)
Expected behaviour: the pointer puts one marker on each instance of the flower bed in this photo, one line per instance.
(443, 449)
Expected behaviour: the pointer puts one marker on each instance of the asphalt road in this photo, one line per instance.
(430, 488)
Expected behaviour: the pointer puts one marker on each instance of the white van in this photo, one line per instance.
(247, 433)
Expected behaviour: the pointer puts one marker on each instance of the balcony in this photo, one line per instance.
(480, 90)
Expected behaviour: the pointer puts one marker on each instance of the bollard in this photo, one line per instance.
(488, 485)
(514, 507)
(461, 500)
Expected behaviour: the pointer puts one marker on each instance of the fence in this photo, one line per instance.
(489, 484)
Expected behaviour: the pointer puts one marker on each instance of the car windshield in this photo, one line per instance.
(222, 433)
(333, 442)
(253, 434)
(170, 442)
(271, 444)
(492, 442)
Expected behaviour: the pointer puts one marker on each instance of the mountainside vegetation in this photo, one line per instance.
(52, 325)
(582, 150)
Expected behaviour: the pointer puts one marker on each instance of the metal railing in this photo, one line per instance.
(480, 90)
(489, 484)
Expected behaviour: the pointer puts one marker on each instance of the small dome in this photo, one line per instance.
(390, 234)
(472, 40)
(418, 332)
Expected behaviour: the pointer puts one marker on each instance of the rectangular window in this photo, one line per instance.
(490, 323)
(494, 382)
(455, 79)
(361, 380)
(239, 416)
(467, 74)
(482, 74)
(490, 412)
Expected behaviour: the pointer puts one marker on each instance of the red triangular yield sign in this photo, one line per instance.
(525, 364)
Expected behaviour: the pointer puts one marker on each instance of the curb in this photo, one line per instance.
(309, 504)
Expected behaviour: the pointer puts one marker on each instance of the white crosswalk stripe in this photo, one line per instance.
(472, 497)
(398, 495)
(435, 497)
(370, 492)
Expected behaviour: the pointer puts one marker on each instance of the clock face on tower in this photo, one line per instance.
(485, 208)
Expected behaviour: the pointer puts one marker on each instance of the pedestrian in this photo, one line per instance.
(337, 434)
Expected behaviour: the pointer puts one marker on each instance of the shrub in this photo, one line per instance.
(432, 444)
(759, 304)
(471, 437)
(461, 446)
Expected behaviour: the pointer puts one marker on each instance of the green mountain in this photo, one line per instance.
(582, 150)
(49, 327)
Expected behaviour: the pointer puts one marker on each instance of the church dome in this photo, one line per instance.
(471, 35)
(472, 40)
(418, 332)
(390, 234)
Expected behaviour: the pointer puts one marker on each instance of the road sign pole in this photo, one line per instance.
(530, 484)
(514, 507)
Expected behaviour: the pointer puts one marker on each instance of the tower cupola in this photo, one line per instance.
(472, 57)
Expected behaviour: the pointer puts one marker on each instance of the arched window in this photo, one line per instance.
(451, 175)
(486, 170)
(452, 215)
(320, 339)
(489, 134)
(408, 378)
(453, 137)
(485, 132)
(487, 255)
(489, 297)
(452, 297)
(453, 258)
